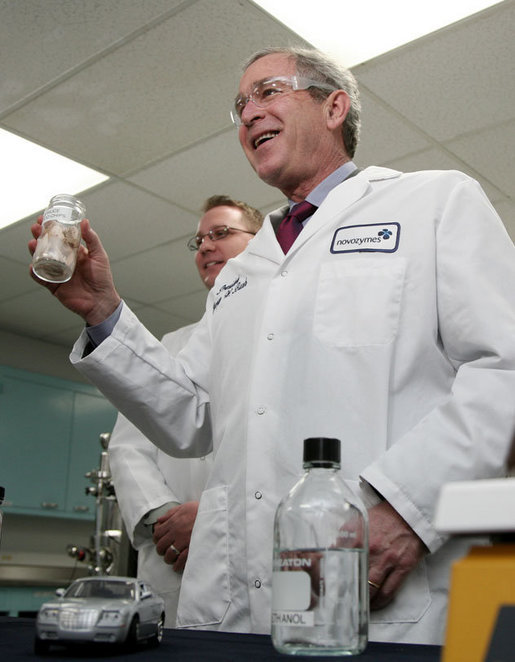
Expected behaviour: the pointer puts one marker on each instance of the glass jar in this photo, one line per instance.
(56, 252)
(320, 566)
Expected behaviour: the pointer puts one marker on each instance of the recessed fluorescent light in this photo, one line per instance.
(354, 32)
(31, 175)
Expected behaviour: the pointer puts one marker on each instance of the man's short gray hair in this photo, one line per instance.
(312, 63)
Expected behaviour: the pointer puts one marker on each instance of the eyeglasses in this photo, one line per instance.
(215, 234)
(266, 91)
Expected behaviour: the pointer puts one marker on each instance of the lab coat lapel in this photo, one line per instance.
(339, 199)
(265, 243)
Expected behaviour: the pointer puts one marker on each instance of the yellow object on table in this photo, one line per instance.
(481, 583)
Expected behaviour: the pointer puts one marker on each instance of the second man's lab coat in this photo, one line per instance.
(390, 324)
(145, 478)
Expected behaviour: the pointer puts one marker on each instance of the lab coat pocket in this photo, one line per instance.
(205, 591)
(410, 604)
(358, 302)
(414, 597)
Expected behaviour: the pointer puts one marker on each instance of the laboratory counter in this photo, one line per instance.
(17, 637)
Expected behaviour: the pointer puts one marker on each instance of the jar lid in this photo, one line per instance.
(322, 450)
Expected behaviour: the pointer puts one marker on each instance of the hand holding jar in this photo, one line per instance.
(78, 275)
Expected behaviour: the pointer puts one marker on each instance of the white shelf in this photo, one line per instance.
(478, 506)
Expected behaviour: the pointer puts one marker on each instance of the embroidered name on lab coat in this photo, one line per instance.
(373, 237)
(229, 289)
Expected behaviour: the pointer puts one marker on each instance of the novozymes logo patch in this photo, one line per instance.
(373, 237)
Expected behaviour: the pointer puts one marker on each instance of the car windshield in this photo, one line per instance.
(101, 589)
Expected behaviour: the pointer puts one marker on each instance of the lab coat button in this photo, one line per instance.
(258, 495)
(270, 336)
(284, 274)
(257, 583)
(260, 410)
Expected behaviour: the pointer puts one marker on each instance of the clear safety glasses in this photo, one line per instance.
(266, 91)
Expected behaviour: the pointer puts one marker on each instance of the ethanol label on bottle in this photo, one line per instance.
(291, 591)
(297, 618)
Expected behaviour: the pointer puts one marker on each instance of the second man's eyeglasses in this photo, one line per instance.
(215, 234)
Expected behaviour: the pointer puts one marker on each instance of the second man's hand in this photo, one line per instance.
(172, 532)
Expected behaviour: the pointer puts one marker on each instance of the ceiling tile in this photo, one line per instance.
(379, 124)
(37, 314)
(452, 81)
(14, 240)
(20, 351)
(130, 220)
(506, 210)
(154, 94)
(15, 279)
(66, 337)
(41, 41)
(159, 322)
(157, 274)
(437, 158)
(190, 306)
(178, 177)
(491, 152)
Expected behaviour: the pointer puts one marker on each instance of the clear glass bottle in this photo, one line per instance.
(320, 571)
(58, 245)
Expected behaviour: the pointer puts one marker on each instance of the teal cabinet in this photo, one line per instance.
(49, 439)
(35, 418)
(24, 599)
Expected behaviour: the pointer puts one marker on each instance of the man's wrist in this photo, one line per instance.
(153, 515)
(103, 312)
(97, 333)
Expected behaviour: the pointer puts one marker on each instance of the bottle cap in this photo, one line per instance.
(322, 450)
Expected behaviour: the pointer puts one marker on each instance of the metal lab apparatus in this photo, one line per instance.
(105, 550)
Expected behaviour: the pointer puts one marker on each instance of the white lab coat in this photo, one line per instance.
(145, 478)
(405, 353)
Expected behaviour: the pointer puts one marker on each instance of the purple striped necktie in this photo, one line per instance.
(291, 225)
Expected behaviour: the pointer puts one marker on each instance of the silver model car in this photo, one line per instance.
(101, 609)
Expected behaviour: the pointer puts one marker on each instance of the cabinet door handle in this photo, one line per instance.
(49, 505)
(81, 509)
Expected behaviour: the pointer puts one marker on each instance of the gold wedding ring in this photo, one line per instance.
(374, 584)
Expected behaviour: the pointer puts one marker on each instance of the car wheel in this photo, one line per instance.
(157, 637)
(41, 647)
(133, 635)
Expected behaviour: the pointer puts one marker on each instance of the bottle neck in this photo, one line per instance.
(319, 464)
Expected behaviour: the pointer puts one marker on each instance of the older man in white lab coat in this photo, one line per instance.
(158, 494)
(389, 323)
